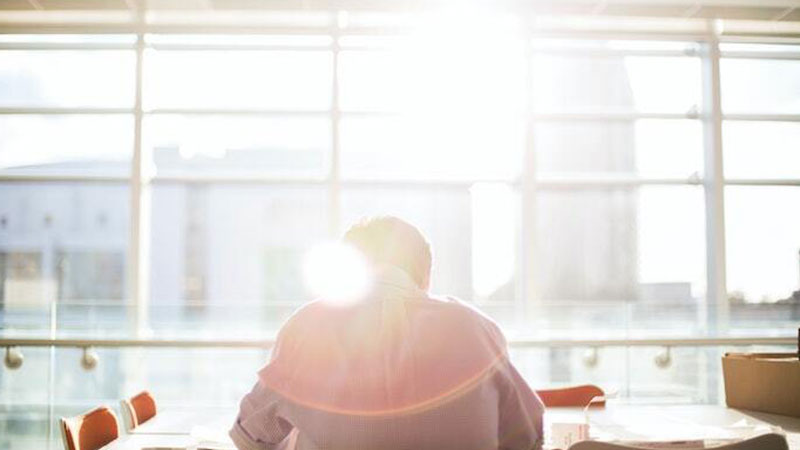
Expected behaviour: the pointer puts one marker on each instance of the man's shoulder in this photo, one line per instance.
(467, 311)
(464, 307)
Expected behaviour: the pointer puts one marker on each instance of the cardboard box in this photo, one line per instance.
(766, 382)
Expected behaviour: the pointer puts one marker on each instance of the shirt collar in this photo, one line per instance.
(394, 282)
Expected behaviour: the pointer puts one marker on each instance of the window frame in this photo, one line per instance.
(713, 181)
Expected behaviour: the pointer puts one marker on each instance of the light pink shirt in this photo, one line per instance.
(399, 370)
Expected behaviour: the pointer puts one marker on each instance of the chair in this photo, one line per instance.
(579, 396)
(89, 431)
(770, 441)
(138, 409)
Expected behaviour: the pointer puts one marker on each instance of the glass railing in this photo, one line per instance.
(644, 353)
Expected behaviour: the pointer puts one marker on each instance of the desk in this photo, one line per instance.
(175, 428)
(183, 421)
(672, 422)
(183, 428)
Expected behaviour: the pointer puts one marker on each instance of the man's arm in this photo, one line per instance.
(521, 410)
(258, 425)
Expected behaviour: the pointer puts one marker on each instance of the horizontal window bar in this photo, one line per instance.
(267, 343)
(602, 52)
(762, 181)
(64, 110)
(761, 55)
(763, 117)
(555, 182)
(237, 111)
(544, 117)
(66, 46)
(33, 177)
(610, 116)
(541, 182)
(239, 47)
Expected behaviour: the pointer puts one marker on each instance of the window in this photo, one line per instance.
(561, 183)
(760, 91)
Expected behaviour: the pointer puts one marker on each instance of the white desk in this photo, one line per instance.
(183, 421)
(181, 429)
(174, 428)
(673, 422)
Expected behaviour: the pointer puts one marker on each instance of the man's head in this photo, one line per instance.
(387, 240)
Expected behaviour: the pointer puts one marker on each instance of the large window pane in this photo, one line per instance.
(474, 147)
(88, 144)
(238, 79)
(225, 145)
(763, 245)
(761, 149)
(227, 259)
(71, 78)
(63, 243)
(617, 83)
(441, 69)
(372, 81)
(637, 252)
(647, 148)
(760, 86)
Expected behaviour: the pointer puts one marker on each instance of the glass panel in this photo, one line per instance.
(73, 78)
(65, 243)
(372, 81)
(26, 394)
(763, 251)
(761, 149)
(617, 83)
(646, 148)
(437, 69)
(238, 79)
(472, 233)
(760, 86)
(220, 145)
(639, 249)
(53, 144)
(439, 149)
(227, 259)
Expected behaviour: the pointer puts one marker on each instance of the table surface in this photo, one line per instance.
(182, 421)
(180, 429)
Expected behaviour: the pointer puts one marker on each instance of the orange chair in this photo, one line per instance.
(89, 431)
(572, 396)
(138, 409)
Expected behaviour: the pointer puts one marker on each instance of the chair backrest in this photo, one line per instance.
(89, 431)
(770, 441)
(128, 416)
(138, 409)
(571, 396)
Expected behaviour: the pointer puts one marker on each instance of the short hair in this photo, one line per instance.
(389, 240)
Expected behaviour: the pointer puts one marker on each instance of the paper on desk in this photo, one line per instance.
(211, 438)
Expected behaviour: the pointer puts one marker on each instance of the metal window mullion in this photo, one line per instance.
(716, 289)
(528, 195)
(138, 254)
(334, 175)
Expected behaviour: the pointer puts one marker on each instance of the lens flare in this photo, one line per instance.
(337, 273)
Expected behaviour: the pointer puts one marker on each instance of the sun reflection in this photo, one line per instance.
(337, 273)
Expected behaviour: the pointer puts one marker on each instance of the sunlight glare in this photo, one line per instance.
(337, 273)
